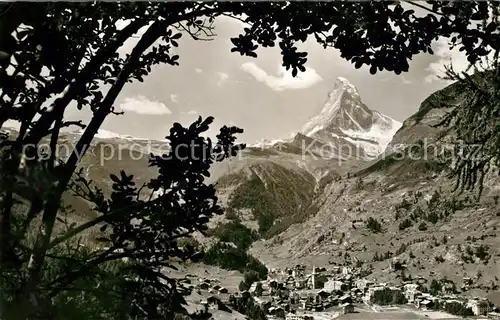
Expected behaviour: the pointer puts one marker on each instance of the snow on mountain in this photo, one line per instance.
(106, 134)
(344, 118)
(266, 143)
(332, 107)
(375, 140)
(101, 133)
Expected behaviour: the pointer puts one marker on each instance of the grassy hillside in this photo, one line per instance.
(277, 196)
(408, 164)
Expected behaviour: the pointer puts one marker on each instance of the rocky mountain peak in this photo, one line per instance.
(345, 117)
(344, 84)
(342, 110)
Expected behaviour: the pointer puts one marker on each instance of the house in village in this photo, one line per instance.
(346, 305)
(265, 287)
(212, 291)
(336, 269)
(494, 315)
(371, 291)
(264, 302)
(300, 283)
(334, 285)
(253, 287)
(223, 290)
(213, 303)
(347, 308)
(290, 282)
(292, 316)
(203, 286)
(448, 287)
(467, 281)
(363, 284)
(420, 280)
(356, 292)
(323, 294)
(278, 312)
(479, 306)
(345, 299)
(411, 291)
(298, 270)
(410, 287)
(425, 301)
(396, 265)
(425, 304)
(273, 284)
(346, 271)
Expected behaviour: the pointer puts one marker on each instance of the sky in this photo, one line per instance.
(257, 94)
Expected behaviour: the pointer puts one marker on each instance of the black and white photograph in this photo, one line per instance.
(249, 160)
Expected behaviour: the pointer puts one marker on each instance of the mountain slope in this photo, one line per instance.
(278, 196)
(434, 231)
(277, 183)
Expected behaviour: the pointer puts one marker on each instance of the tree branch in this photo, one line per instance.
(44, 123)
(75, 231)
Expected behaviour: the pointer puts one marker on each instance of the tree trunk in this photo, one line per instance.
(29, 300)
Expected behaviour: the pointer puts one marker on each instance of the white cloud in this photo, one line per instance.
(142, 105)
(444, 57)
(173, 98)
(222, 78)
(192, 112)
(284, 79)
(406, 81)
(198, 70)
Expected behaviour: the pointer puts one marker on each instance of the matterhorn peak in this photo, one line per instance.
(343, 94)
(344, 116)
(343, 83)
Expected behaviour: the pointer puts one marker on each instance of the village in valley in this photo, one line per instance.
(344, 292)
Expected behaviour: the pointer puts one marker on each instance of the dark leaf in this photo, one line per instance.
(114, 178)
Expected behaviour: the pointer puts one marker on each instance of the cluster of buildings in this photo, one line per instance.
(427, 301)
(422, 300)
(211, 286)
(289, 292)
(292, 291)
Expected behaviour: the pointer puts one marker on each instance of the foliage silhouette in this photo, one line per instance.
(56, 54)
(473, 113)
(137, 223)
